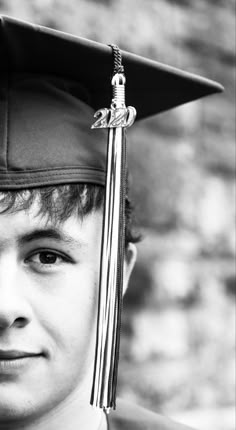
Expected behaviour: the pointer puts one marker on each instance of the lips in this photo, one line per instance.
(13, 363)
(16, 354)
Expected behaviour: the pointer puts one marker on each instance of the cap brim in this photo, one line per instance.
(152, 87)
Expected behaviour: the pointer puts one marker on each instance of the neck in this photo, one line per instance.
(73, 414)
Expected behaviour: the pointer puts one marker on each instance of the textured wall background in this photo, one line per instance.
(178, 334)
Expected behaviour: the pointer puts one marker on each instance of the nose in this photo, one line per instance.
(14, 309)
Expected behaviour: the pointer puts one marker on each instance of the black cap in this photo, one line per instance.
(51, 83)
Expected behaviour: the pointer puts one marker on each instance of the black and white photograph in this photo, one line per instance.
(117, 214)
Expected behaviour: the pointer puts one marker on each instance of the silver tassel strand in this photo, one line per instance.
(116, 119)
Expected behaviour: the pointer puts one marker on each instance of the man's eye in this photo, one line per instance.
(46, 258)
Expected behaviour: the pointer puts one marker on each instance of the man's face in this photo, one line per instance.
(48, 295)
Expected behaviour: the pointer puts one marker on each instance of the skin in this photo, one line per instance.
(48, 297)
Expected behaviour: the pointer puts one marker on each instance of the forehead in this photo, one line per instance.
(15, 224)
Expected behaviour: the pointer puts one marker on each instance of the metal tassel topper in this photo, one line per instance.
(116, 119)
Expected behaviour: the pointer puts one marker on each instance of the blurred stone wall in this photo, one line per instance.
(177, 354)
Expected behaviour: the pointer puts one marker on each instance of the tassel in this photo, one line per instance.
(116, 119)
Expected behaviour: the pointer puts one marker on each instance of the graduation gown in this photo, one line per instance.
(132, 417)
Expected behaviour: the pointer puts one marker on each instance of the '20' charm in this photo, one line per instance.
(114, 117)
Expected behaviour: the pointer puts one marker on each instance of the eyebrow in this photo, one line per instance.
(47, 233)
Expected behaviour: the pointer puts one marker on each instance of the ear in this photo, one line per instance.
(130, 259)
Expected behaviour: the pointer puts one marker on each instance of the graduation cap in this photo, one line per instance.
(51, 83)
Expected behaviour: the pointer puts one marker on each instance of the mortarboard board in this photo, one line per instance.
(50, 85)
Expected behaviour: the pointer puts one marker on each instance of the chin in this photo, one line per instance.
(15, 405)
(11, 410)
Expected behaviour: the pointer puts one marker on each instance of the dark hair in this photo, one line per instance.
(58, 203)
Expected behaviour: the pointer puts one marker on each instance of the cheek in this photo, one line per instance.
(80, 313)
(68, 312)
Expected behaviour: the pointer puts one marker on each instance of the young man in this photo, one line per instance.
(60, 231)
